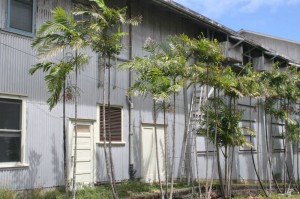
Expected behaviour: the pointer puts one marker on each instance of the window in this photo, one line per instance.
(248, 106)
(113, 120)
(11, 130)
(277, 135)
(251, 139)
(21, 16)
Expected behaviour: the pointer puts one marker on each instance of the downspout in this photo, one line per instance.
(132, 171)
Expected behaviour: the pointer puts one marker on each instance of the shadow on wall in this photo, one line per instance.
(137, 148)
(278, 166)
(57, 165)
(27, 178)
(100, 164)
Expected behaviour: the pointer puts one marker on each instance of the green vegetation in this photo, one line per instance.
(170, 68)
(125, 189)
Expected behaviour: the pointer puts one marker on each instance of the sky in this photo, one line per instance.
(280, 18)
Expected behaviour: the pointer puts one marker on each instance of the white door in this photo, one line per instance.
(149, 170)
(85, 150)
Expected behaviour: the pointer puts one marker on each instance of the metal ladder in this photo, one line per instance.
(199, 96)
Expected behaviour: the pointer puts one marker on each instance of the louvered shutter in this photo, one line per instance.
(115, 120)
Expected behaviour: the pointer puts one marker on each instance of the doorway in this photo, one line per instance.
(149, 172)
(85, 152)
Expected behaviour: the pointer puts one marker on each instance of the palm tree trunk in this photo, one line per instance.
(230, 174)
(298, 176)
(173, 145)
(255, 169)
(109, 133)
(166, 149)
(226, 171)
(156, 149)
(206, 165)
(220, 171)
(285, 154)
(75, 142)
(197, 164)
(64, 142)
(270, 156)
(216, 151)
(206, 155)
(292, 174)
(285, 166)
(297, 149)
(107, 161)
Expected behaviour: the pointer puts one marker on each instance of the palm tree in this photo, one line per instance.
(175, 58)
(53, 37)
(284, 91)
(104, 36)
(153, 79)
(165, 71)
(222, 116)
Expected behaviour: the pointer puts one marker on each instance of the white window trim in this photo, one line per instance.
(18, 31)
(97, 126)
(22, 162)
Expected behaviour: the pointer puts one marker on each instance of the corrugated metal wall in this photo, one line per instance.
(44, 147)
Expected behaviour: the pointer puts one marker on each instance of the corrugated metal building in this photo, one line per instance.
(31, 138)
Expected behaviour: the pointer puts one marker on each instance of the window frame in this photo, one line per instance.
(122, 142)
(18, 31)
(20, 163)
(277, 136)
(248, 120)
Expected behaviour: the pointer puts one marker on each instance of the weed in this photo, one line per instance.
(7, 194)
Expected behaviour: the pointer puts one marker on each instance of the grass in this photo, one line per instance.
(271, 197)
(6, 194)
(125, 189)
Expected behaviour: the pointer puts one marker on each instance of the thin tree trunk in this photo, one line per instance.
(173, 146)
(285, 156)
(206, 146)
(267, 147)
(156, 149)
(197, 164)
(292, 175)
(109, 133)
(270, 159)
(230, 174)
(229, 181)
(206, 170)
(64, 142)
(298, 176)
(226, 171)
(216, 149)
(256, 172)
(166, 150)
(75, 141)
(220, 171)
(191, 164)
(107, 161)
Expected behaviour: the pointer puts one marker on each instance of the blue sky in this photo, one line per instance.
(279, 18)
